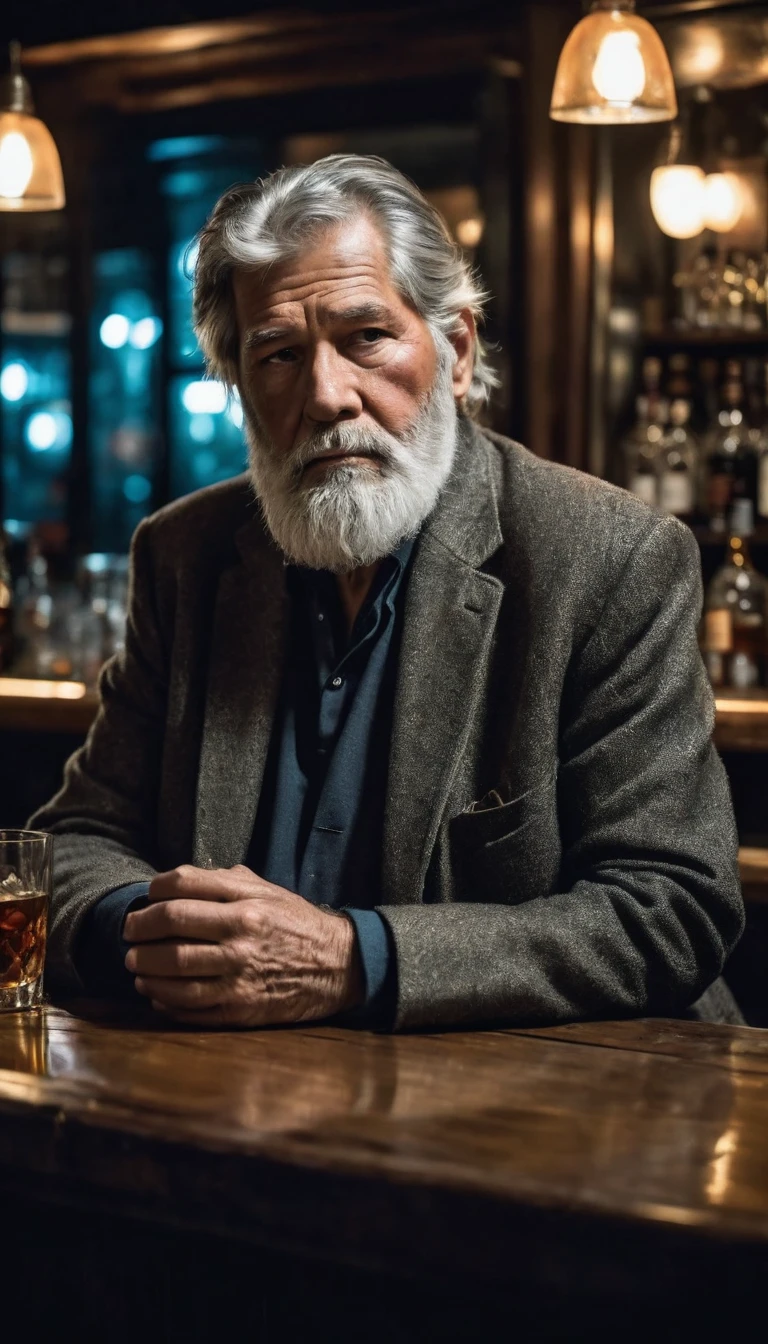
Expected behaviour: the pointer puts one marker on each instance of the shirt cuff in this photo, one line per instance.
(377, 955)
(101, 948)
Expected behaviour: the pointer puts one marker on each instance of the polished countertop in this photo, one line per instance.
(440, 1147)
(29, 705)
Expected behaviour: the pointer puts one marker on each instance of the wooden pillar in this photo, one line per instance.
(558, 233)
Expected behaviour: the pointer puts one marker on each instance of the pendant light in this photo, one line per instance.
(677, 186)
(685, 197)
(613, 70)
(30, 168)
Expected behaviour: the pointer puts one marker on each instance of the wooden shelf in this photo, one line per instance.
(28, 706)
(706, 537)
(753, 870)
(693, 338)
(742, 720)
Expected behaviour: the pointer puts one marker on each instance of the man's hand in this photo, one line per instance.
(224, 947)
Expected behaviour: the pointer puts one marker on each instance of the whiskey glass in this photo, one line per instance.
(25, 893)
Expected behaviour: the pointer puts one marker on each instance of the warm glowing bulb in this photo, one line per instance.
(677, 200)
(723, 202)
(619, 71)
(16, 165)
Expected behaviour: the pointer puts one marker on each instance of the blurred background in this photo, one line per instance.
(628, 321)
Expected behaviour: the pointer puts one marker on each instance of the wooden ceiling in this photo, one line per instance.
(161, 69)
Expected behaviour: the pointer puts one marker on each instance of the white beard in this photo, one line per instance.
(357, 515)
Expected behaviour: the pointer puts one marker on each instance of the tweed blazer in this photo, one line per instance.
(558, 833)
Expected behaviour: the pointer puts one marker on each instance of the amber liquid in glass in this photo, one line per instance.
(22, 938)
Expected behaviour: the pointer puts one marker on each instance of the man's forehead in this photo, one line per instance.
(348, 265)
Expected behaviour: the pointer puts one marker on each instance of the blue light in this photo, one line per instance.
(114, 331)
(41, 431)
(137, 489)
(184, 147)
(204, 396)
(202, 428)
(14, 381)
(145, 332)
(48, 429)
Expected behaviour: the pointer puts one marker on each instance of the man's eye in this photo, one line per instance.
(285, 356)
(372, 334)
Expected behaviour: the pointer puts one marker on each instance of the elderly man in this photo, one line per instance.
(410, 726)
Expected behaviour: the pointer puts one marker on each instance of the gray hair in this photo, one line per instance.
(259, 223)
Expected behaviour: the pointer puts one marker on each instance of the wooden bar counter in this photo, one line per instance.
(33, 706)
(584, 1182)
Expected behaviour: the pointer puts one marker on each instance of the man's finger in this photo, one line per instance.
(192, 994)
(177, 958)
(180, 919)
(205, 884)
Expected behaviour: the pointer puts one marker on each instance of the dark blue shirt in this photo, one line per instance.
(320, 819)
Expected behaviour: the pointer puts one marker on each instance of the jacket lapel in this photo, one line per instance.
(245, 668)
(450, 618)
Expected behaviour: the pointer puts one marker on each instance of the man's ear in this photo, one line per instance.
(463, 341)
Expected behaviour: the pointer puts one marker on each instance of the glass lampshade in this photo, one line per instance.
(30, 168)
(613, 71)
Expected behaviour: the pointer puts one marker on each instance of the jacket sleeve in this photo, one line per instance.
(648, 904)
(103, 817)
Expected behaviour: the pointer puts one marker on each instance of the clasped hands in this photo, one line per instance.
(223, 947)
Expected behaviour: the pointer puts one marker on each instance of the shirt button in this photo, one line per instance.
(337, 682)
(320, 616)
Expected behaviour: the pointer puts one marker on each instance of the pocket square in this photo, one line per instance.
(488, 801)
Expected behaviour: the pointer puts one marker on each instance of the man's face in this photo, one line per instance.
(326, 339)
(349, 401)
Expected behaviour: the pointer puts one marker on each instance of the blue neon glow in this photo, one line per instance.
(202, 428)
(204, 396)
(184, 147)
(14, 381)
(41, 431)
(137, 489)
(114, 331)
(145, 332)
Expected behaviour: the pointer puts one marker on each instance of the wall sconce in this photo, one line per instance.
(613, 70)
(30, 168)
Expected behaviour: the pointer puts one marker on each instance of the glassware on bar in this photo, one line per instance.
(25, 892)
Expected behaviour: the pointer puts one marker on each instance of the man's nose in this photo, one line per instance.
(331, 392)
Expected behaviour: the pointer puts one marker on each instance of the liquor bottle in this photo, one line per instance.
(678, 463)
(706, 301)
(734, 624)
(641, 447)
(732, 463)
(761, 449)
(754, 299)
(6, 608)
(734, 289)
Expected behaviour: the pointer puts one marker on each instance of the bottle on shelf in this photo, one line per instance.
(761, 450)
(754, 298)
(708, 290)
(731, 472)
(6, 608)
(734, 291)
(640, 449)
(734, 622)
(678, 463)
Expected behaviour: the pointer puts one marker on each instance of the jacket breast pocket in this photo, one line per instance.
(509, 853)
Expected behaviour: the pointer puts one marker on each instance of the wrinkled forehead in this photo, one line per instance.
(337, 266)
